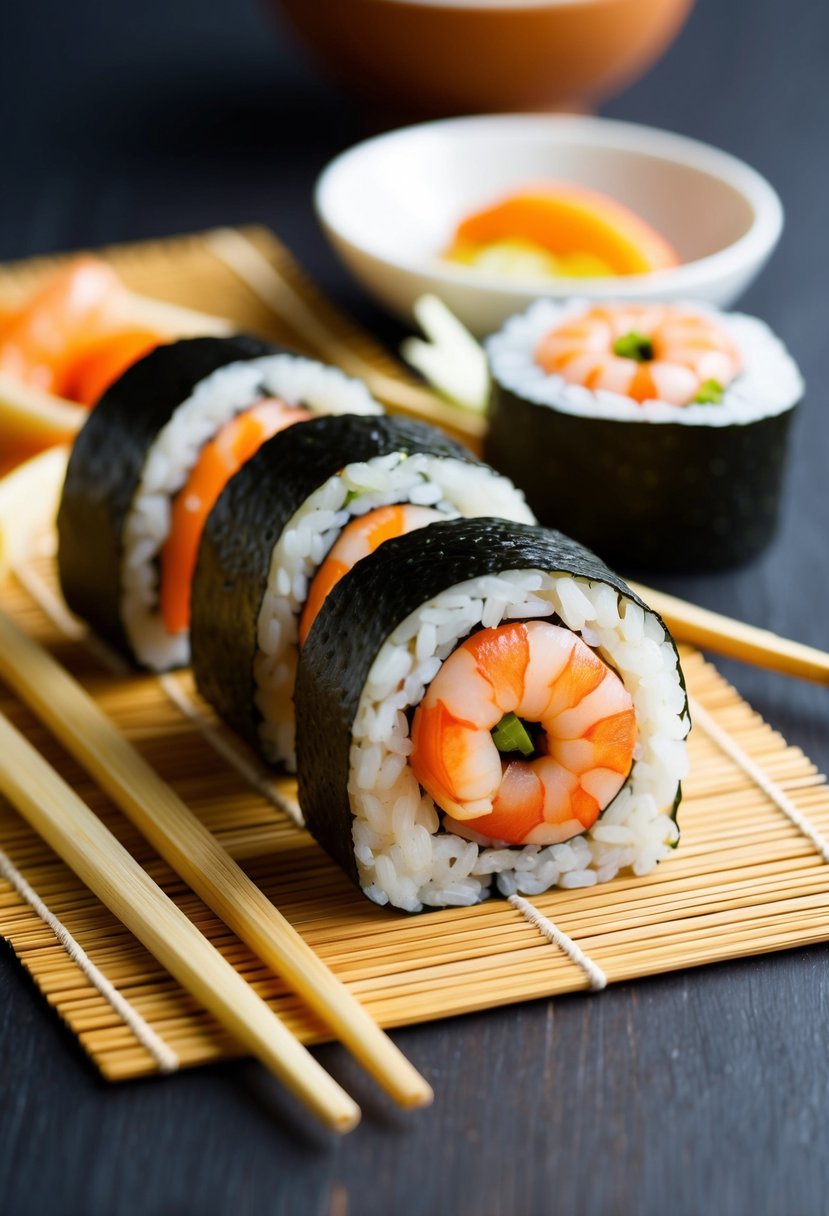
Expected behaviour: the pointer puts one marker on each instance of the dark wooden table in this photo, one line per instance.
(705, 1092)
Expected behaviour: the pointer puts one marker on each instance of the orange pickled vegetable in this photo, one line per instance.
(39, 343)
(567, 221)
(223, 456)
(71, 339)
(104, 361)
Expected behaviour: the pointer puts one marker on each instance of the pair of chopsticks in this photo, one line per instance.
(75, 833)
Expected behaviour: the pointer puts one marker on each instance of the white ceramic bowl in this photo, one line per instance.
(390, 205)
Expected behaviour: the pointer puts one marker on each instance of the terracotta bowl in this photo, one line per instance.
(463, 56)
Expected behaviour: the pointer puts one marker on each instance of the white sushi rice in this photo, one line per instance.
(769, 383)
(449, 485)
(214, 401)
(406, 855)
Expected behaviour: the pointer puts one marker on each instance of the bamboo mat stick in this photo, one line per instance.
(174, 320)
(197, 856)
(76, 834)
(735, 639)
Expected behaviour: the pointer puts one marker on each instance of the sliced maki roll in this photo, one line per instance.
(654, 433)
(312, 502)
(484, 705)
(150, 462)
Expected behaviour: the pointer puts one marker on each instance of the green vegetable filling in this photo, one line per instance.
(512, 735)
(711, 392)
(634, 346)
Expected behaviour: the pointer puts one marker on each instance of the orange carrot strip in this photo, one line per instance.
(324, 581)
(223, 456)
(372, 529)
(103, 361)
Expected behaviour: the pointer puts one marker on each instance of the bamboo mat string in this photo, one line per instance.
(558, 937)
(164, 1056)
(781, 800)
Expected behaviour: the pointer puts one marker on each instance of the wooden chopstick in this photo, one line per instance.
(735, 639)
(79, 838)
(197, 856)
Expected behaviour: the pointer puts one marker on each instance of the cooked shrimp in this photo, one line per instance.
(643, 351)
(357, 540)
(572, 713)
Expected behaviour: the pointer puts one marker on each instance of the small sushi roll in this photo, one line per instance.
(149, 464)
(484, 705)
(654, 433)
(312, 502)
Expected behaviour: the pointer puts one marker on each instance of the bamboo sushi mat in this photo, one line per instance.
(743, 881)
(748, 878)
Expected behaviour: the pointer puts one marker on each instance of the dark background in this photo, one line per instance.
(706, 1092)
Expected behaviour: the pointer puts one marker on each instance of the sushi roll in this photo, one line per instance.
(313, 501)
(483, 705)
(654, 433)
(150, 462)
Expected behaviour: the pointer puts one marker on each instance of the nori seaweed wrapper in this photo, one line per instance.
(660, 496)
(244, 527)
(362, 611)
(106, 463)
